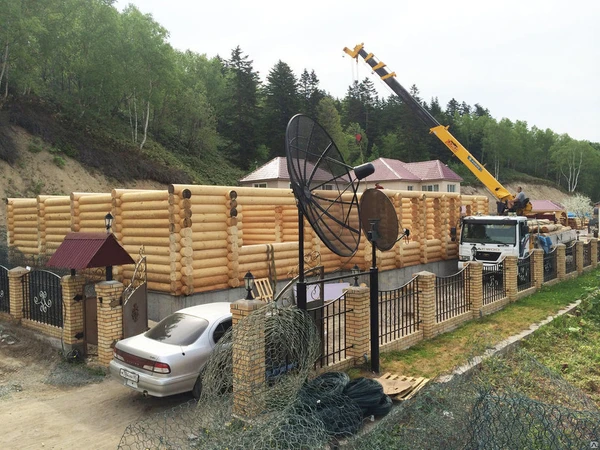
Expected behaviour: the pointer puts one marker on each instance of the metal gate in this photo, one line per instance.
(135, 301)
(90, 314)
(42, 297)
(4, 291)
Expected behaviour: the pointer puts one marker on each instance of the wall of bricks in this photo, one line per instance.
(358, 323)
(73, 304)
(110, 318)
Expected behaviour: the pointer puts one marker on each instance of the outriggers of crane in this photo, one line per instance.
(503, 196)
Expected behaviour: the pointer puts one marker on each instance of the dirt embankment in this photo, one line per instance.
(532, 191)
(41, 173)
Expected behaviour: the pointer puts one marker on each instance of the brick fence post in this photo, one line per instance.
(73, 303)
(475, 272)
(579, 256)
(426, 282)
(358, 336)
(249, 364)
(15, 289)
(511, 277)
(537, 257)
(594, 251)
(561, 261)
(110, 318)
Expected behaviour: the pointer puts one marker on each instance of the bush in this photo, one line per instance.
(59, 161)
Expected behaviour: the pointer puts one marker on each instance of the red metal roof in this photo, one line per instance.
(85, 250)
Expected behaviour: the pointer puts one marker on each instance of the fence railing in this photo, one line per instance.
(587, 254)
(42, 297)
(550, 266)
(452, 295)
(524, 279)
(493, 283)
(399, 312)
(4, 291)
(570, 259)
(330, 319)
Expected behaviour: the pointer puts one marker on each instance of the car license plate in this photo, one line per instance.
(130, 376)
(130, 383)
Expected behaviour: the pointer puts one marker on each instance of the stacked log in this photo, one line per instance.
(54, 221)
(234, 239)
(88, 211)
(453, 211)
(22, 226)
(141, 219)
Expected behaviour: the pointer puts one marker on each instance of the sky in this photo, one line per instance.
(529, 60)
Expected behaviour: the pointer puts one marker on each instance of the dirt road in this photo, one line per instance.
(51, 404)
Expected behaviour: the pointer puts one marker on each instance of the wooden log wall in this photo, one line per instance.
(22, 225)
(88, 211)
(54, 221)
(202, 238)
(141, 218)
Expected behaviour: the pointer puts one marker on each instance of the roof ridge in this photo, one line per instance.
(390, 168)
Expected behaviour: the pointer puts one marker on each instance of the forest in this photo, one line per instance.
(113, 79)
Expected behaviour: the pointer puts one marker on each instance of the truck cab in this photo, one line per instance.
(490, 239)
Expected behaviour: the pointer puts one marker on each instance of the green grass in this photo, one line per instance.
(445, 352)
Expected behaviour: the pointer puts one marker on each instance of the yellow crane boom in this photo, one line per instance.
(502, 195)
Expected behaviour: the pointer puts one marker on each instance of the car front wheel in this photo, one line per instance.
(197, 390)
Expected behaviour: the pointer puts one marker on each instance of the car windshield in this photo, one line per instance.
(489, 233)
(178, 329)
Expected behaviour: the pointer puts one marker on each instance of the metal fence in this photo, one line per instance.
(42, 297)
(330, 320)
(4, 291)
(570, 259)
(550, 272)
(524, 278)
(587, 254)
(399, 312)
(452, 295)
(493, 283)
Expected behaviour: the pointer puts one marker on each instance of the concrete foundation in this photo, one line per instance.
(161, 305)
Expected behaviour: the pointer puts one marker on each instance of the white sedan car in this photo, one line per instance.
(167, 359)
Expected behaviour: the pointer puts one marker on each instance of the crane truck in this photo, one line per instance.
(485, 238)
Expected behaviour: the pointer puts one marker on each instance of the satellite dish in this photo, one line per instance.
(378, 219)
(324, 185)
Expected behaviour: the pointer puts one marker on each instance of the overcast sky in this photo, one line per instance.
(531, 60)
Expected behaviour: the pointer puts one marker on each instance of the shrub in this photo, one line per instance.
(59, 161)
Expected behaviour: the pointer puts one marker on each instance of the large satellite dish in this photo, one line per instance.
(324, 185)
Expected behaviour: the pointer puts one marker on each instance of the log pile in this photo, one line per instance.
(54, 221)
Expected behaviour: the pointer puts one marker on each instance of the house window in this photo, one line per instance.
(451, 188)
(409, 188)
(431, 187)
(328, 187)
(260, 185)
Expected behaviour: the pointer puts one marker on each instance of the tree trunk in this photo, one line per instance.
(4, 63)
(146, 124)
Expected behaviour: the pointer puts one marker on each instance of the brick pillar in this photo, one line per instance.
(73, 303)
(510, 277)
(358, 335)
(594, 251)
(561, 261)
(579, 257)
(248, 358)
(15, 288)
(427, 308)
(110, 318)
(475, 272)
(538, 267)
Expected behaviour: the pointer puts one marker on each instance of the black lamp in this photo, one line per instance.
(355, 273)
(249, 285)
(108, 220)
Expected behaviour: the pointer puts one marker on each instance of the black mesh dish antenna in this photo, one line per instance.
(325, 189)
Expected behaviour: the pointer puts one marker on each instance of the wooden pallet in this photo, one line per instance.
(400, 387)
